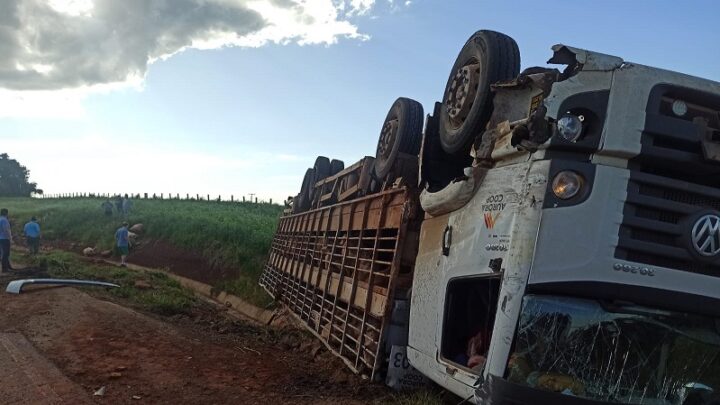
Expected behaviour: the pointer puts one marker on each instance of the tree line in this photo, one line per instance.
(15, 179)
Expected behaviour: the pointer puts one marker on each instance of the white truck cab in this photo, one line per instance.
(583, 266)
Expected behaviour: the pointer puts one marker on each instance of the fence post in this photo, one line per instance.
(208, 196)
(271, 201)
(255, 200)
(232, 198)
(243, 198)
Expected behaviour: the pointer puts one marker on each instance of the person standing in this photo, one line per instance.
(107, 207)
(122, 241)
(127, 205)
(32, 233)
(5, 238)
(119, 204)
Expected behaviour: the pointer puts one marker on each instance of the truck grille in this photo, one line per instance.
(672, 144)
(653, 222)
(671, 180)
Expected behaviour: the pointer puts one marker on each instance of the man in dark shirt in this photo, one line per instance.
(122, 241)
(119, 204)
(107, 207)
(5, 238)
(32, 233)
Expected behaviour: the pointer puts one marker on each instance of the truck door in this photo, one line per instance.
(428, 285)
(470, 253)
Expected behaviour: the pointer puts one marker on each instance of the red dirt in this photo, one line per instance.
(203, 358)
(160, 254)
(29, 378)
(183, 262)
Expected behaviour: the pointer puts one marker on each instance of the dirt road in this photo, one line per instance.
(68, 344)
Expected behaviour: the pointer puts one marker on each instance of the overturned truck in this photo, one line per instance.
(547, 236)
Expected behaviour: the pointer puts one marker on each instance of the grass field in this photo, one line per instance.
(235, 235)
(164, 296)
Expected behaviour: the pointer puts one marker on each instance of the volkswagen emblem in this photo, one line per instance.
(706, 235)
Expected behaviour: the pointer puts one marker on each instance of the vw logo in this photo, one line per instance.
(706, 235)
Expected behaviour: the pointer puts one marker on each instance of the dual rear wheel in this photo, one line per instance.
(487, 57)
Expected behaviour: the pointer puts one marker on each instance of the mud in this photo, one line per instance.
(204, 357)
(162, 255)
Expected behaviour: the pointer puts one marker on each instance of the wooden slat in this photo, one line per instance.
(334, 268)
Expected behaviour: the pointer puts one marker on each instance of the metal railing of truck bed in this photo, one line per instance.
(336, 267)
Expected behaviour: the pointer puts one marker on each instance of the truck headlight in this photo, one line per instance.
(570, 127)
(679, 108)
(567, 184)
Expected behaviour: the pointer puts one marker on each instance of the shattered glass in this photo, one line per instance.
(616, 352)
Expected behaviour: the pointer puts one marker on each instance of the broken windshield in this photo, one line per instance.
(618, 353)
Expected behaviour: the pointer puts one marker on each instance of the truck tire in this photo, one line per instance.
(487, 57)
(336, 166)
(304, 198)
(348, 181)
(296, 204)
(401, 133)
(322, 168)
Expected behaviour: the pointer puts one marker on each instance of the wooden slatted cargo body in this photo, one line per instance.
(336, 268)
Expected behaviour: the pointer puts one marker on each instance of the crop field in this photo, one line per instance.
(234, 235)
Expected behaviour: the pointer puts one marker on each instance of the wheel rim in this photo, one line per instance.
(461, 93)
(388, 134)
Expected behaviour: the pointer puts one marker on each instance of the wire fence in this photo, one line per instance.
(249, 198)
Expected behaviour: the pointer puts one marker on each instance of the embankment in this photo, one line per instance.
(218, 243)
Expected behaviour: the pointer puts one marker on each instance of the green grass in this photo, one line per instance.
(165, 297)
(424, 396)
(235, 235)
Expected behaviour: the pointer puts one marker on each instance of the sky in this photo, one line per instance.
(233, 97)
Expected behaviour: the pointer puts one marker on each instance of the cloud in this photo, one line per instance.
(361, 6)
(70, 44)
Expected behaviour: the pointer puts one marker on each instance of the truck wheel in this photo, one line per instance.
(322, 168)
(348, 181)
(401, 133)
(487, 57)
(302, 203)
(336, 166)
(296, 204)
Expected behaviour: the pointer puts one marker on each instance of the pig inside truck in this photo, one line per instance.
(548, 236)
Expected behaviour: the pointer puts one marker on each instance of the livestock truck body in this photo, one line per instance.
(546, 237)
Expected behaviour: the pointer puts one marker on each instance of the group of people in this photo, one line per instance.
(32, 237)
(123, 205)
